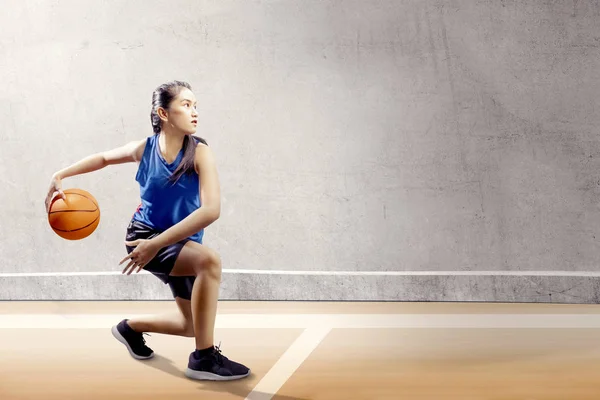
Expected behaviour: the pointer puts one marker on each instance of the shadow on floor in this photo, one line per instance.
(241, 387)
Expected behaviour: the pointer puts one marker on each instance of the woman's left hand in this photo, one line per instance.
(144, 251)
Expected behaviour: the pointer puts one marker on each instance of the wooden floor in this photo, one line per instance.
(64, 350)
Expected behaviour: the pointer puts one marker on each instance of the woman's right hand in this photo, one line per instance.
(55, 186)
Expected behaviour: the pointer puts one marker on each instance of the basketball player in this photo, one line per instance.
(180, 196)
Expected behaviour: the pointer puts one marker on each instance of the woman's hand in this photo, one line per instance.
(55, 186)
(145, 250)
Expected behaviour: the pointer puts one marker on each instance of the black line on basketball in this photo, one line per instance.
(83, 195)
(78, 229)
(62, 211)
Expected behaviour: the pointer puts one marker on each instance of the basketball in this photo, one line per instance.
(77, 217)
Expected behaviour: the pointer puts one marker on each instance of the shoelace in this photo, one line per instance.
(218, 355)
(142, 338)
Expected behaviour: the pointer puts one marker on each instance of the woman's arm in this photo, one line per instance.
(131, 152)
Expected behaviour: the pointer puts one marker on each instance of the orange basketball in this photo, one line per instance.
(77, 217)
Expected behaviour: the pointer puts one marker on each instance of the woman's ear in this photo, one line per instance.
(162, 114)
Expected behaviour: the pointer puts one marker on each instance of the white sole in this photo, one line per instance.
(117, 335)
(207, 376)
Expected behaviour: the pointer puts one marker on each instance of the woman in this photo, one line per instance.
(180, 196)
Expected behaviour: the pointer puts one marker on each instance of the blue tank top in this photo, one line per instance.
(164, 204)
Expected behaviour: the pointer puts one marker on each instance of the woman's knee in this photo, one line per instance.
(208, 262)
(187, 321)
(212, 265)
(188, 328)
(196, 259)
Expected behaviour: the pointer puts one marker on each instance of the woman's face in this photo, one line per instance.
(182, 114)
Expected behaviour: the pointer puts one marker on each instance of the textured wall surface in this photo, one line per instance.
(385, 136)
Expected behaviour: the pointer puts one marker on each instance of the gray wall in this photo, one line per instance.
(448, 148)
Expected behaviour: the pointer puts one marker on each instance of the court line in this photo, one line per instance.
(288, 363)
(578, 274)
(333, 321)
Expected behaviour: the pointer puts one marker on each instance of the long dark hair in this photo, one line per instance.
(162, 98)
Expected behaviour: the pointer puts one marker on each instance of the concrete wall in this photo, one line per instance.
(418, 142)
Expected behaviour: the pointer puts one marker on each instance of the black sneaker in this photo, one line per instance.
(134, 341)
(215, 367)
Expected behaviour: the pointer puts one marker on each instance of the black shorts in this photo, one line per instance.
(164, 261)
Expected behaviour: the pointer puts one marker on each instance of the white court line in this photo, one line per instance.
(578, 274)
(288, 363)
(303, 321)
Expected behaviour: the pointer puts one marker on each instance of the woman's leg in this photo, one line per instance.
(178, 323)
(206, 362)
(129, 332)
(198, 260)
